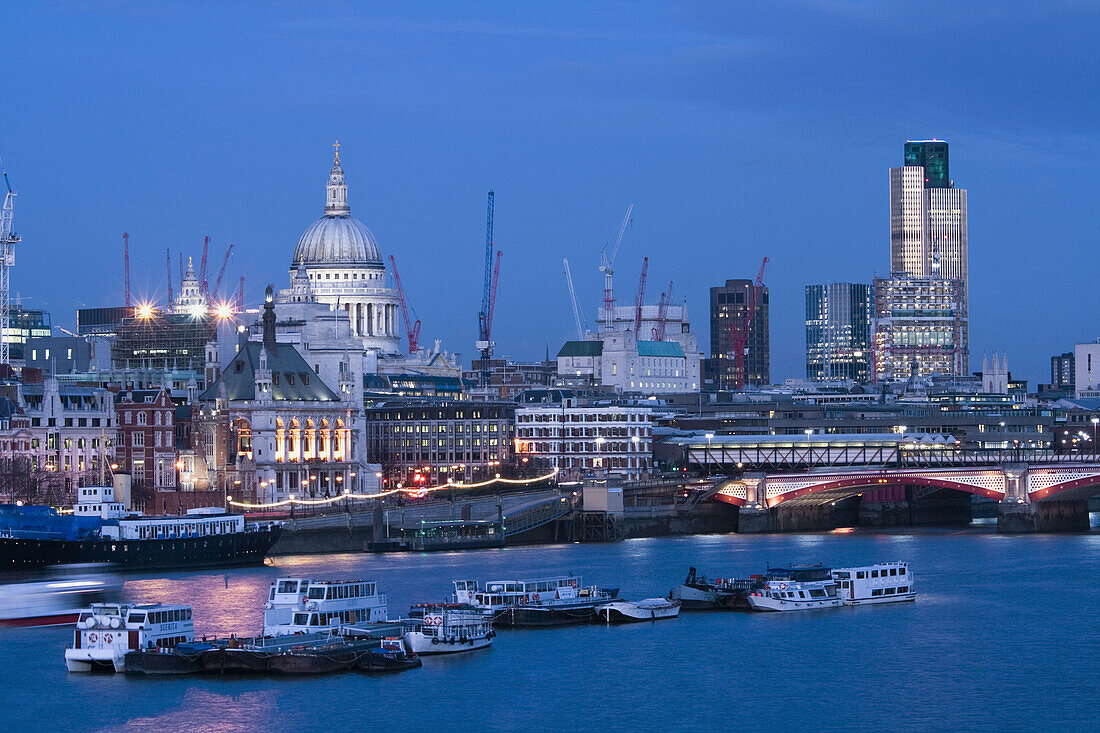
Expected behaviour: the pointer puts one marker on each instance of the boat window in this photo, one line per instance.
(843, 575)
(314, 619)
(301, 619)
(328, 594)
(901, 571)
(316, 594)
(370, 589)
(903, 589)
(136, 618)
(271, 597)
(876, 591)
(801, 594)
(889, 591)
(817, 593)
(288, 586)
(860, 575)
(893, 571)
(845, 583)
(874, 573)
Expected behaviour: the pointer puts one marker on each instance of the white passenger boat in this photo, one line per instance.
(801, 588)
(56, 600)
(555, 601)
(305, 606)
(889, 582)
(651, 609)
(445, 628)
(106, 632)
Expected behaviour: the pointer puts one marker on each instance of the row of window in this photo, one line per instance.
(889, 591)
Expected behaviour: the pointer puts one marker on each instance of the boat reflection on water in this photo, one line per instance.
(55, 596)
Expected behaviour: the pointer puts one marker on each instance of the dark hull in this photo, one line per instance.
(314, 662)
(541, 617)
(382, 663)
(156, 663)
(235, 661)
(216, 551)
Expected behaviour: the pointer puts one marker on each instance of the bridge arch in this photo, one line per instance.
(851, 486)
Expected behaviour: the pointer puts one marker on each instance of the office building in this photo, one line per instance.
(729, 305)
(1062, 371)
(920, 327)
(575, 438)
(838, 332)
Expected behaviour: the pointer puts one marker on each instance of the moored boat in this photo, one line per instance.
(650, 609)
(699, 593)
(890, 582)
(800, 588)
(555, 601)
(106, 632)
(392, 656)
(334, 656)
(445, 628)
(305, 606)
(100, 530)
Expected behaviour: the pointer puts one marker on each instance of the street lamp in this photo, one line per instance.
(709, 437)
(1095, 420)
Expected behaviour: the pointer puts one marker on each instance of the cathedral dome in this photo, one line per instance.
(337, 238)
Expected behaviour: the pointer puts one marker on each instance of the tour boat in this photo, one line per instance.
(445, 628)
(799, 588)
(697, 592)
(304, 606)
(57, 599)
(555, 601)
(883, 583)
(106, 632)
(651, 609)
(100, 530)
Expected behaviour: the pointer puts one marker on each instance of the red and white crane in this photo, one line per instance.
(8, 240)
(412, 330)
(607, 263)
(221, 272)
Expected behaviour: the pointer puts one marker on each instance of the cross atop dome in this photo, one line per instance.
(337, 146)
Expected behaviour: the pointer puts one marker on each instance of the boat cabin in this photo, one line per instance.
(504, 593)
(302, 605)
(874, 582)
(142, 626)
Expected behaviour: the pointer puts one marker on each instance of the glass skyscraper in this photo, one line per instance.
(838, 332)
(928, 243)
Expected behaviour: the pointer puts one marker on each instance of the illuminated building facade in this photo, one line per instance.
(838, 332)
(574, 439)
(919, 322)
(928, 245)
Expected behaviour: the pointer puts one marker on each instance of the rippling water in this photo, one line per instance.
(1004, 635)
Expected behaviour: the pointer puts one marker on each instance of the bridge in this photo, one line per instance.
(1040, 496)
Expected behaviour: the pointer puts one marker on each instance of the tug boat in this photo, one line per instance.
(106, 632)
(305, 606)
(699, 593)
(556, 601)
(651, 609)
(889, 582)
(446, 628)
(799, 588)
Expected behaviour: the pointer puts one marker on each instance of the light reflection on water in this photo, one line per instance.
(1000, 623)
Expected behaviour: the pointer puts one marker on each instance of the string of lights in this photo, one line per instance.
(418, 491)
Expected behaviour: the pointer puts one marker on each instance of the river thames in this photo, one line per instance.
(1004, 635)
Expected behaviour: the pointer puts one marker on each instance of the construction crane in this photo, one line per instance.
(739, 336)
(582, 327)
(8, 240)
(606, 265)
(662, 314)
(221, 272)
(202, 265)
(641, 297)
(168, 267)
(488, 296)
(126, 267)
(412, 330)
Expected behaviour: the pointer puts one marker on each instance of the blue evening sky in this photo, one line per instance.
(738, 130)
